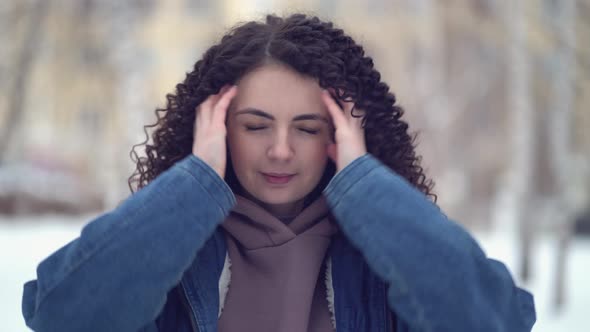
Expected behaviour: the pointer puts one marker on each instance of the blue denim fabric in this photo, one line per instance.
(116, 275)
(153, 264)
(438, 277)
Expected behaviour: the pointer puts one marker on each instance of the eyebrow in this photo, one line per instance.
(301, 117)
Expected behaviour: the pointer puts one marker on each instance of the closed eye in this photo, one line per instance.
(309, 131)
(254, 128)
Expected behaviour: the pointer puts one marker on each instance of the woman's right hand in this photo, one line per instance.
(209, 141)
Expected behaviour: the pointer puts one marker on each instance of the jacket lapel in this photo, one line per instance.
(201, 283)
(360, 297)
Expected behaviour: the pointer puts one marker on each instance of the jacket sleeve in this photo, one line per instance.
(438, 277)
(116, 274)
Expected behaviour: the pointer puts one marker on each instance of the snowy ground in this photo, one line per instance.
(24, 243)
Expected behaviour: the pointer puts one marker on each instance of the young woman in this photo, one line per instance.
(282, 192)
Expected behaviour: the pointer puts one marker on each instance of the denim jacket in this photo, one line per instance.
(155, 262)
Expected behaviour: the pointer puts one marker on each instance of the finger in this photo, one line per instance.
(223, 104)
(206, 104)
(205, 109)
(334, 110)
(200, 109)
(223, 90)
(336, 96)
(347, 106)
(357, 118)
(336, 92)
(209, 104)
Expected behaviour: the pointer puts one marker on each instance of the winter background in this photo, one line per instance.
(26, 241)
(499, 92)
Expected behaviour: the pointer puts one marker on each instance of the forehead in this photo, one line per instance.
(279, 90)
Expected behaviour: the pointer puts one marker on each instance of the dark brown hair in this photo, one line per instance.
(309, 46)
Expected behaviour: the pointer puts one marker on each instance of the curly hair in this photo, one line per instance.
(309, 46)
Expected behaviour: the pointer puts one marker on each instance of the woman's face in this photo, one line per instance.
(278, 132)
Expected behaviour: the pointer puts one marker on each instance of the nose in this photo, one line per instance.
(280, 148)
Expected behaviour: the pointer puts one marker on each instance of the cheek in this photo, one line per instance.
(318, 145)
(241, 150)
(314, 152)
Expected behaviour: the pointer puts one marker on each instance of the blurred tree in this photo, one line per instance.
(35, 15)
(523, 129)
(560, 134)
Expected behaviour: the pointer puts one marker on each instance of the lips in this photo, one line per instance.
(278, 178)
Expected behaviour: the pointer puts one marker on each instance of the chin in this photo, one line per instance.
(273, 199)
(276, 198)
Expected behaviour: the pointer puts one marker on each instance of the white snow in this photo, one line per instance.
(24, 242)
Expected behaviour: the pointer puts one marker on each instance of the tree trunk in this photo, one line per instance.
(22, 69)
(523, 130)
(560, 139)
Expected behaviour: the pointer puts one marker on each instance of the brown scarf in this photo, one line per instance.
(277, 271)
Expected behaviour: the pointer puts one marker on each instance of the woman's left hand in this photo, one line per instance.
(349, 134)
